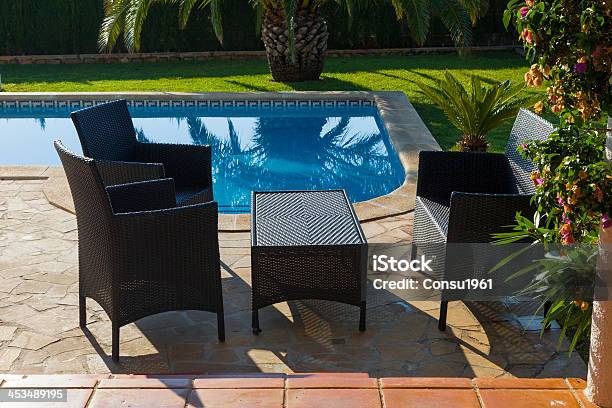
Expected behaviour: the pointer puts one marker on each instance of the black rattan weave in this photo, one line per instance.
(464, 197)
(139, 254)
(306, 245)
(107, 135)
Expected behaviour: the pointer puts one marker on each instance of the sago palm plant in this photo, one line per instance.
(293, 31)
(477, 111)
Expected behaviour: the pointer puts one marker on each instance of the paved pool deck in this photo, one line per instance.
(39, 331)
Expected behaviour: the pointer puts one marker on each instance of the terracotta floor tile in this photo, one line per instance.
(146, 383)
(577, 383)
(425, 382)
(336, 398)
(332, 374)
(584, 401)
(527, 398)
(77, 398)
(522, 383)
(318, 381)
(260, 398)
(134, 398)
(240, 382)
(53, 381)
(429, 398)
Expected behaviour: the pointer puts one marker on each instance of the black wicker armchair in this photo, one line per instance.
(108, 136)
(464, 197)
(139, 254)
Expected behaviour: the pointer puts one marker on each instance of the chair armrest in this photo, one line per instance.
(121, 172)
(142, 196)
(441, 173)
(474, 217)
(189, 165)
(148, 243)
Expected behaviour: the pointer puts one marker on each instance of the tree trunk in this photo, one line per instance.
(310, 44)
(599, 379)
(473, 143)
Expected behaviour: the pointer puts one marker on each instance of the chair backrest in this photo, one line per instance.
(106, 131)
(91, 202)
(527, 126)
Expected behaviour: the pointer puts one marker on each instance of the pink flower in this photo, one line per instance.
(524, 11)
(606, 221)
(560, 201)
(539, 181)
(581, 65)
(527, 36)
(523, 146)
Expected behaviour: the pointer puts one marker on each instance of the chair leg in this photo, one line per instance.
(442, 319)
(362, 317)
(255, 322)
(115, 341)
(82, 311)
(413, 252)
(221, 326)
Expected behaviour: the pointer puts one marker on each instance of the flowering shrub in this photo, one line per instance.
(568, 43)
(573, 182)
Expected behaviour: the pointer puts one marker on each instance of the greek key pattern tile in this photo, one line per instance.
(206, 104)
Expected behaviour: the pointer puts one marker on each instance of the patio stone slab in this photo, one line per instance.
(521, 383)
(429, 398)
(145, 383)
(55, 381)
(238, 382)
(527, 398)
(354, 398)
(32, 341)
(302, 336)
(224, 398)
(135, 398)
(330, 382)
(424, 382)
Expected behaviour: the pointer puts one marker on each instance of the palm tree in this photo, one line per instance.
(294, 32)
(477, 111)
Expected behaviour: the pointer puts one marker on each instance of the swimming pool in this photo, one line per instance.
(254, 148)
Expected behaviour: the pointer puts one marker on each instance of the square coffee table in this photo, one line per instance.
(306, 245)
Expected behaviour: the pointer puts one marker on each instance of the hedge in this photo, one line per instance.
(71, 27)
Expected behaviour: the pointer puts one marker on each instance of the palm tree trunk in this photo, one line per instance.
(473, 143)
(310, 44)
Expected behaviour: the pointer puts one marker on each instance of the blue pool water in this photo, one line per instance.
(253, 149)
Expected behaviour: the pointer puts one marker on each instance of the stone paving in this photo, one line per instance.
(39, 330)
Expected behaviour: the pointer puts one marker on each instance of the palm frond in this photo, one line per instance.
(477, 111)
(416, 12)
(113, 23)
(475, 8)
(456, 19)
(134, 20)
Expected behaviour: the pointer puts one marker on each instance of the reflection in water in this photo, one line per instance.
(290, 153)
(282, 149)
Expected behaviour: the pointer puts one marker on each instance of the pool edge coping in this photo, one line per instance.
(407, 131)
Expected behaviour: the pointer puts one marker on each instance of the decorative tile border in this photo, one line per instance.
(186, 103)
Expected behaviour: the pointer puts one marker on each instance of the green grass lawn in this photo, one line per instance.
(341, 74)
